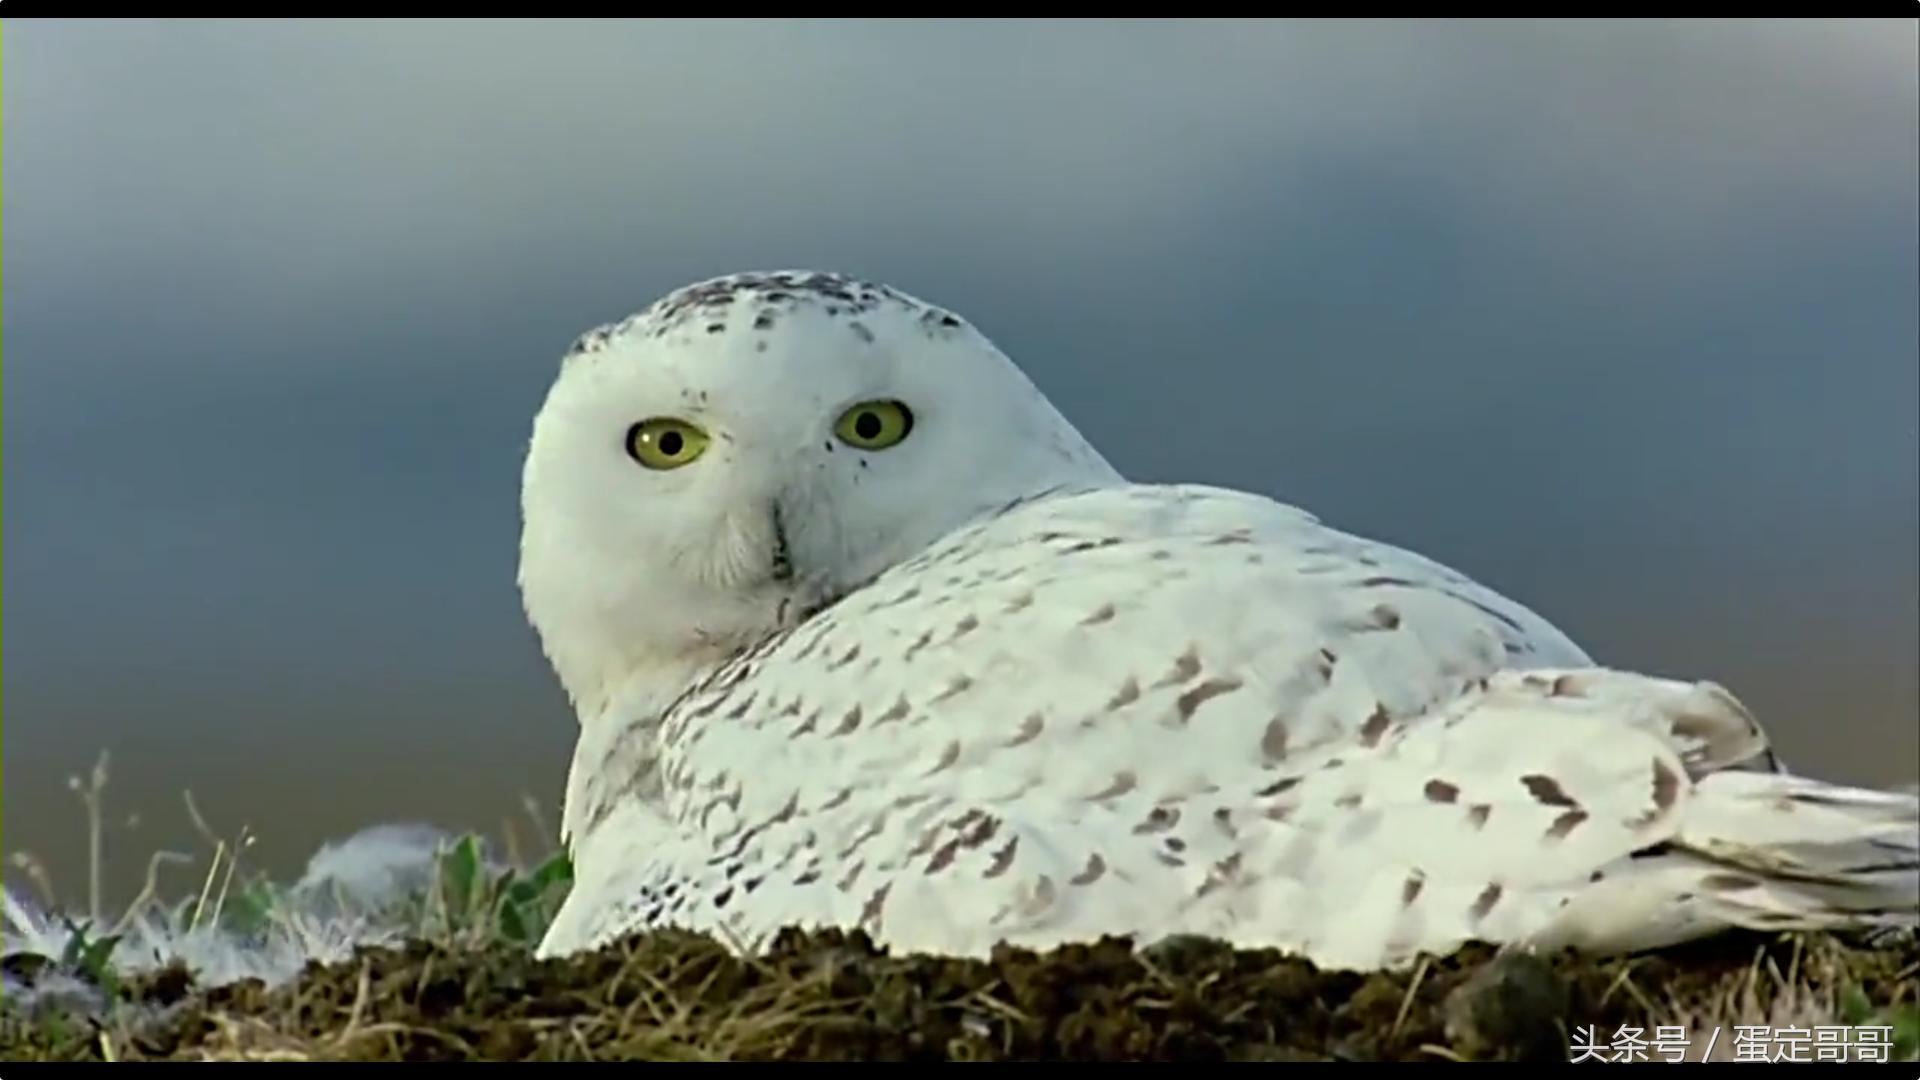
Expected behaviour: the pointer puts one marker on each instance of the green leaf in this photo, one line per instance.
(1854, 1006)
(461, 872)
(249, 910)
(92, 958)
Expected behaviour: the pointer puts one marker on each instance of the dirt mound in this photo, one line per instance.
(831, 996)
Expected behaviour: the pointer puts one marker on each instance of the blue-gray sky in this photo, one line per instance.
(1619, 317)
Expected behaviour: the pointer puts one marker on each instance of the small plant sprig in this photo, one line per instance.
(475, 904)
(91, 958)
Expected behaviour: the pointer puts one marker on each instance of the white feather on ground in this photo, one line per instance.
(350, 894)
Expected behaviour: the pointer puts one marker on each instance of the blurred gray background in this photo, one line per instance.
(1619, 317)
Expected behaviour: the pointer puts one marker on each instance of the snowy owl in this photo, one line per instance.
(861, 632)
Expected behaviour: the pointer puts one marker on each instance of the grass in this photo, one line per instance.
(440, 967)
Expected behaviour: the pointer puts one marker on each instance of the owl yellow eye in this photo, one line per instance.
(665, 443)
(874, 425)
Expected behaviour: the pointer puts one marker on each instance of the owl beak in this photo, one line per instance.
(782, 555)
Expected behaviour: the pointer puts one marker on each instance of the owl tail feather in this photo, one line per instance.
(1760, 851)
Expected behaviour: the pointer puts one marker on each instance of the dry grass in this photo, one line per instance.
(446, 973)
(672, 996)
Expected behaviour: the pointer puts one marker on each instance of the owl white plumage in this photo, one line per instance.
(861, 632)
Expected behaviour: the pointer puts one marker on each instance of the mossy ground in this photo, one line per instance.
(830, 996)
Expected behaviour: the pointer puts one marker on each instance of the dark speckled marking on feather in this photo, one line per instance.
(766, 295)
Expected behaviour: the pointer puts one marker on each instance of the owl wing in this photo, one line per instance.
(1176, 709)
